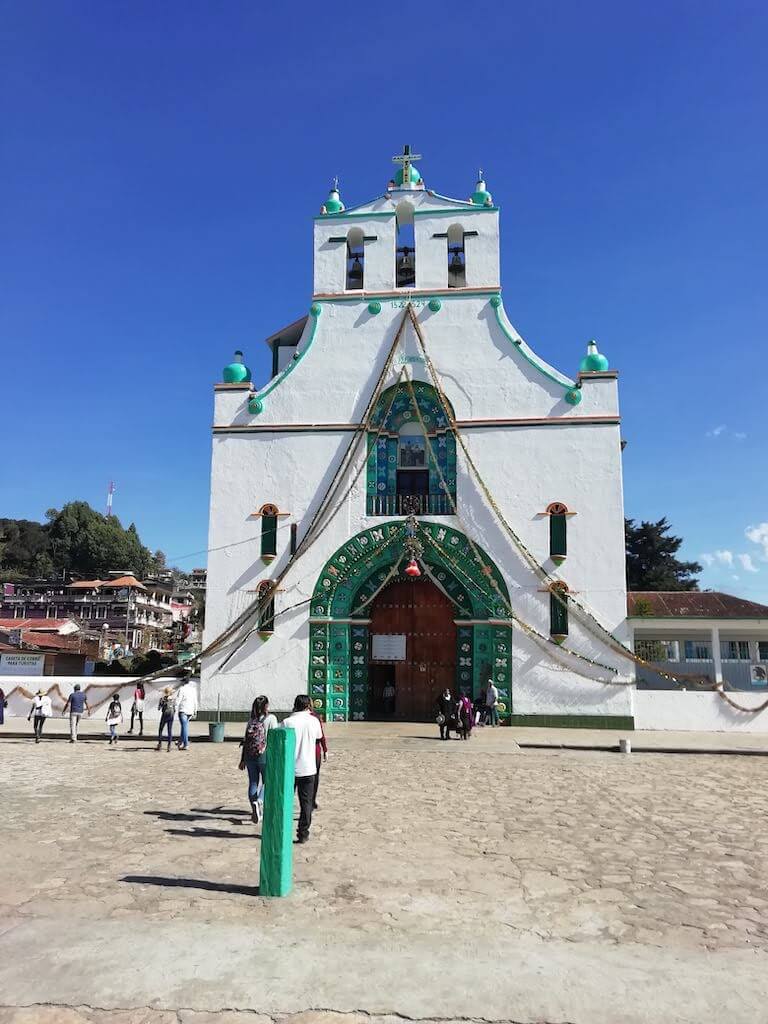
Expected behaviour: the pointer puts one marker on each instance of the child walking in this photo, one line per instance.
(114, 717)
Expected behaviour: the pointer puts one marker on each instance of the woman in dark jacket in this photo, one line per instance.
(446, 714)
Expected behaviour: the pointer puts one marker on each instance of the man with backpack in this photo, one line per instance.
(254, 756)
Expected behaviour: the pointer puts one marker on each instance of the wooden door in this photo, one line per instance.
(418, 610)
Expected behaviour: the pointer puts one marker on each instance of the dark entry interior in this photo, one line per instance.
(417, 609)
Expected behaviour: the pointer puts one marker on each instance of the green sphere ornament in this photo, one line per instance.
(435, 305)
(495, 301)
(374, 307)
(237, 372)
(413, 176)
(315, 309)
(594, 361)
(573, 396)
(255, 405)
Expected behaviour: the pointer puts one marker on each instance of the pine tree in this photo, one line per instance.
(651, 561)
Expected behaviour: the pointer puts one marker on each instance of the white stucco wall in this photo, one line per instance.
(98, 690)
(669, 710)
(530, 446)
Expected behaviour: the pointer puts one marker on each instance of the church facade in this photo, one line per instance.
(416, 500)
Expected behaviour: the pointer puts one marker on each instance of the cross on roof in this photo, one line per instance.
(405, 158)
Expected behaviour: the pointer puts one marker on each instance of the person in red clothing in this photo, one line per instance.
(321, 754)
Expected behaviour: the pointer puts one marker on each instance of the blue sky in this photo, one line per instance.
(161, 164)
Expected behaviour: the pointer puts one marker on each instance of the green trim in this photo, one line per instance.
(518, 343)
(261, 395)
(622, 722)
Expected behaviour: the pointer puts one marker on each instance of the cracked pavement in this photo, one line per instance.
(442, 882)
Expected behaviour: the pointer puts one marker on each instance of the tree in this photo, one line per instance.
(651, 561)
(76, 540)
(24, 547)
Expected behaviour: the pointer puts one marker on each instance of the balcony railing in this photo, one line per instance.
(409, 504)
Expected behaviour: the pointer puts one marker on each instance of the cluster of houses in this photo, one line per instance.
(55, 627)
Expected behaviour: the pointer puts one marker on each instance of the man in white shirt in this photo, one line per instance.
(308, 732)
(42, 708)
(492, 703)
(186, 708)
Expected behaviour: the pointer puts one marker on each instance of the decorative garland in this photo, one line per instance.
(586, 618)
(524, 625)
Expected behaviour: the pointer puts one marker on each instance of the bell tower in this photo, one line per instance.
(409, 240)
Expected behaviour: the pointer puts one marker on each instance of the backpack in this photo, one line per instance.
(255, 742)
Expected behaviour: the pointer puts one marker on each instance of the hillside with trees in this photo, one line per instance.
(75, 541)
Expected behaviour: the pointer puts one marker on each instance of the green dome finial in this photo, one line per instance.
(481, 196)
(237, 372)
(594, 361)
(406, 172)
(333, 203)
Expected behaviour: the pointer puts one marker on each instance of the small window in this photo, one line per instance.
(657, 650)
(268, 532)
(355, 260)
(698, 650)
(762, 650)
(457, 260)
(558, 611)
(734, 650)
(266, 608)
(558, 531)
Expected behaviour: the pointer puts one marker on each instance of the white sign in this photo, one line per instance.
(758, 675)
(22, 664)
(388, 646)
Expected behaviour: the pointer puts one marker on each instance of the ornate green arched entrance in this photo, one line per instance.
(351, 579)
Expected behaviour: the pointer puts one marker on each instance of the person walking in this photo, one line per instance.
(186, 708)
(41, 709)
(254, 756)
(137, 708)
(321, 754)
(308, 734)
(76, 702)
(3, 705)
(464, 716)
(166, 707)
(114, 717)
(480, 708)
(445, 713)
(492, 704)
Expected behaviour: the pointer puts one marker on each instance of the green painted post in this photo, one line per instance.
(276, 869)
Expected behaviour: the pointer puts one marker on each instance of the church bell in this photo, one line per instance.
(355, 274)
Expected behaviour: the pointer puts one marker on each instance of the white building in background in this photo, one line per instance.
(407, 391)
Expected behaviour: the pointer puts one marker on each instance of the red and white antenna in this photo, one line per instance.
(110, 492)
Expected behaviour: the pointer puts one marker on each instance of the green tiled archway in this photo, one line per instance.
(338, 657)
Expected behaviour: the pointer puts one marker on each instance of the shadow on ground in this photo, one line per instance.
(192, 883)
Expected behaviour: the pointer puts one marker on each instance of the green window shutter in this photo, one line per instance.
(557, 535)
(558, 614)
(267, 611)
(268, 535)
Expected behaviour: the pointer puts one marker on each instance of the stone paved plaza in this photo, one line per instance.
(442, 881)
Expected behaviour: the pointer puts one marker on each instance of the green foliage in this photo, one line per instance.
(651, 561)
(643, 606)
(75, 540)
(24, 547)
